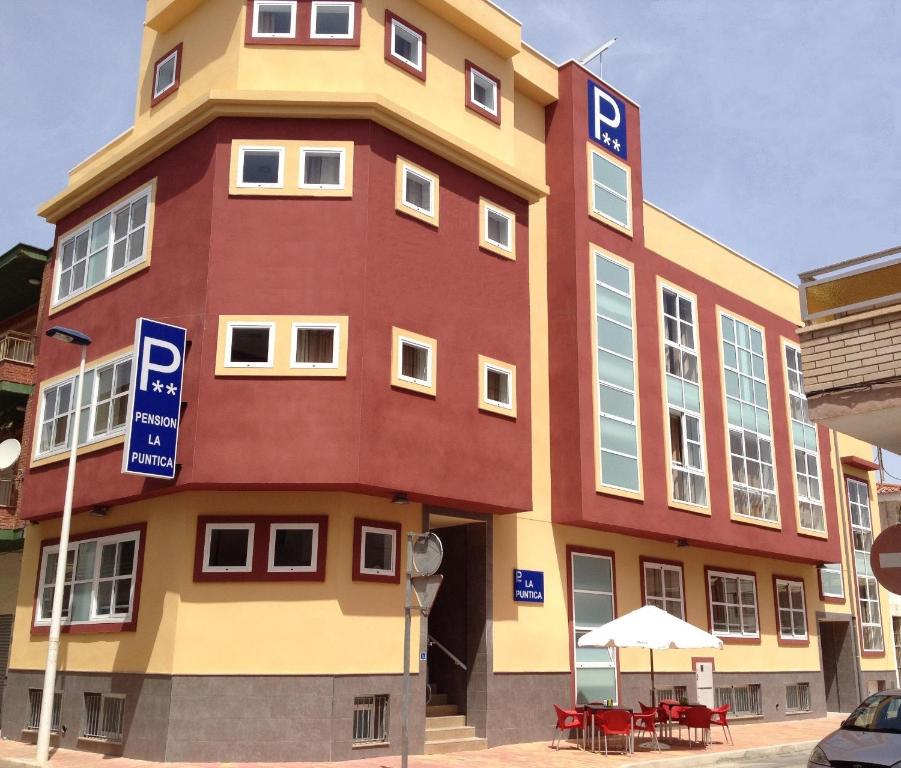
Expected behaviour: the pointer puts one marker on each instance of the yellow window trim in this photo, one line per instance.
(484, 207)
(400, 206)
(89, 448)
(599, 486)
(484, 403)
(399, 334)
(282, 358)
(592, 149)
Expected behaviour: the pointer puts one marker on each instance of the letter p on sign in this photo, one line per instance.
(147, 365)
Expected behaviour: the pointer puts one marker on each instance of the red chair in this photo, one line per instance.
(615, 722)
(645, 722)
(697, 719)
(719, 718)
(567, 720)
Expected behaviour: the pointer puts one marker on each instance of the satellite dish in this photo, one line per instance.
(427, 554)
(9, 453)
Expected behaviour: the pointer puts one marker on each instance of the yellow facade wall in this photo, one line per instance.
(10, 564)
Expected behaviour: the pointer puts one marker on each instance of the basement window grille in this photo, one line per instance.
(103, 716)
(33, 721)
(370, 722)
(676, 693)
(797, 697)
(744, 700)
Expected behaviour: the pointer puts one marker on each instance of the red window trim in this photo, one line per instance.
(726, 638)
(357, 574)
(389, 57)
(302, 35)
(177, 50)
(647, 559)
(571, 550)
(790, 642)
(478, 108)
(260, 555)
(97, 627)
(830, 598)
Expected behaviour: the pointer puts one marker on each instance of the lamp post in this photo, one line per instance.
(68, 336)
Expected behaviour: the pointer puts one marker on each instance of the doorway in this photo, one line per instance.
(839, 669)
(704, 683)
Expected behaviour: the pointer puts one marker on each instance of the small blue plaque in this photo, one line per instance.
(528, 586)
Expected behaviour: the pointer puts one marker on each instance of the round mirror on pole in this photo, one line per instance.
(428, 553)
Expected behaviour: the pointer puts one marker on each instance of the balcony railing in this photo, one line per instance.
(7, 489)
(18, 347)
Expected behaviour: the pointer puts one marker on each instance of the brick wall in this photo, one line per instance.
(864, 351)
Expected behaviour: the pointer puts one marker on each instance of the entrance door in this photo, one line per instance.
(839, 669)
(704, 682)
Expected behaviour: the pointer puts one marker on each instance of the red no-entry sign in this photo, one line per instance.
(885, 559)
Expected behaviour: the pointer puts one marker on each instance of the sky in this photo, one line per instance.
(772, 125)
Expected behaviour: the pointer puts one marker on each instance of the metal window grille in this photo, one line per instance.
(18, 347)
(33, 721)
(7, 488)
(797, 697)
(744, 700)
(103, 716)
(370, 723)
(676, 693)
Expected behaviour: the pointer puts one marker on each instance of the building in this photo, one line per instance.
(326, 195)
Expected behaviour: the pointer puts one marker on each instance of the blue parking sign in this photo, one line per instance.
(528, 586)
(607, 120)
(154, 404)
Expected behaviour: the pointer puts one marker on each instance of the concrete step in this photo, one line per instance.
(438, 698)
(455, 745)
(445, 721)
(449, 734)
(439, 710)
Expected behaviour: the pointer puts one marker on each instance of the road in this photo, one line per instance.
(774, 761)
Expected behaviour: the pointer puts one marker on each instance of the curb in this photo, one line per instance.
(711, 758)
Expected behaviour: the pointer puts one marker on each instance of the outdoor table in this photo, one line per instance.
(596, 706)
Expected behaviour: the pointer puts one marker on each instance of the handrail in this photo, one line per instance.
(433, 641)
(16, 346)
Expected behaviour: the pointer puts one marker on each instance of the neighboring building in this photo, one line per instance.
(890, 514)
(327, 195)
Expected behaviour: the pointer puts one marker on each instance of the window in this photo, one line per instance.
(797, 697)
(867, 589)
(332, 21)
(413, 361)
(743, 700)
(405, 45)
(610, 190)
(104, 247)
(591, 580)
(104, 714)
(321, 168)
(250, 346)
(417, 192)
(831, 581)
(228, 548)
(790, 605)
(733, 604)
(99, 582)
(376, 551)
(370, 720)
(104, 405)
(274, 18)
(315, 345)
(166, 74)
(483, 93)
(896, 632)
(261, 167)
(617, 387)
(812, 515)
(293, 547)
(497, 387)
(497, 229)
(748, 414)
(33, 718)
(683, 395)
(663, 588)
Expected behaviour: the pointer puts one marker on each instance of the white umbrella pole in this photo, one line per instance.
(653, 687)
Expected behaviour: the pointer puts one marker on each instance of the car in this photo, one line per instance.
(869, 738)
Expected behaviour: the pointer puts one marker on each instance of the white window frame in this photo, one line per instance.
(580, 628)
(861, 515)
(367, 529)
(474, 74)
(207, 536)
(841, 577)
(627, 198)
(663, 567)
(792, 610)
(239, 181)
(157, 91)
(336, 345)
(314, 558)
(270, 360)
(710, 603)
(317, 4)
(406, 340)
(504, 372)
(85, 228)
(410, 170)
(292, 4)
(395, 25)
(107, 618)
(489, 209)
(304, 151)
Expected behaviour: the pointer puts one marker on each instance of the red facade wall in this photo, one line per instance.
(576, 500)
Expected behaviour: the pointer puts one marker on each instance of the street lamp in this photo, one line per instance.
(69, 336)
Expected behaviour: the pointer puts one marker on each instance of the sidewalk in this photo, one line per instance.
(764, 738)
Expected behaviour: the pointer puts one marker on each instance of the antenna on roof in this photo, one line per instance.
(597, 53)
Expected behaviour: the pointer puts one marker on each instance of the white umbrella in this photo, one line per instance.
(649, 627)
